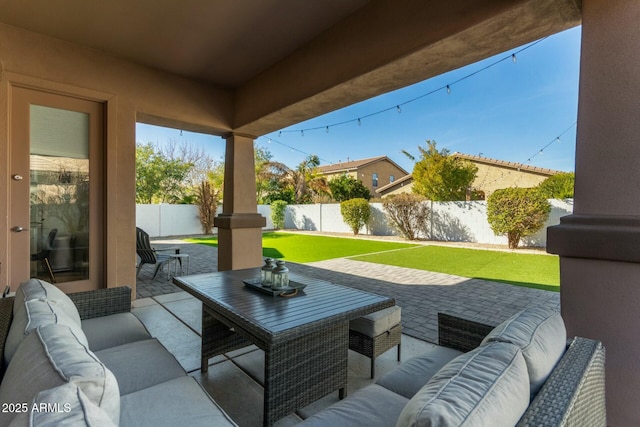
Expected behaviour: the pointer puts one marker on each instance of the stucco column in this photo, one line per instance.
(599, 245)
(239, 224)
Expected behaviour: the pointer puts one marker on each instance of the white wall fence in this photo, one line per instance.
(450, 221)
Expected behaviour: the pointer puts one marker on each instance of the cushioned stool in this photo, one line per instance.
(376, 333)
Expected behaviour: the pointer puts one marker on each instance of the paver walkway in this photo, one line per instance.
(421, 294)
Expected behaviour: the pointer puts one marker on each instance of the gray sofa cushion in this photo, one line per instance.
(32, 314)
(51, 356)
(39, 289)
(488, 386)
(114, 330)
(71, 407)
(140, 364)
(178, 402)
(39, 303)
(368, 407)
(541, 335)
(375, 323)
(414, 373)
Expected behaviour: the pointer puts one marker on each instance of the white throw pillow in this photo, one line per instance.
(487, 386)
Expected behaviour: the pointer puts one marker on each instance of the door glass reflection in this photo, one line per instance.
(59, 190)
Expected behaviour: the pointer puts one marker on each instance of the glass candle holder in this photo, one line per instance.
(280, 276)
(266, 273)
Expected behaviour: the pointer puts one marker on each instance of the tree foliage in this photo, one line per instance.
(345, 187)
(408, 213)
(297, 186)
(278, 209)
(559, 186)
(159, 179)
(355, 213)
(441, 177)
(517, 212)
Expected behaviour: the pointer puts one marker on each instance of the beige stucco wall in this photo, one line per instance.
(600, 297)
(383, 168)
(491, 178)
(131, 93)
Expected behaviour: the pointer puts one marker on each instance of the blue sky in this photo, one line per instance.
(510, 111)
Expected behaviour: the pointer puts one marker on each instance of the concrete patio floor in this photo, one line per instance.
(235, 379)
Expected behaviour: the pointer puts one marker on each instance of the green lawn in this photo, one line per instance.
(536, 271)
(308, 248)
(531, 270)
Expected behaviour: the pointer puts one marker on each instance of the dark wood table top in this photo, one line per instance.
(272, 318)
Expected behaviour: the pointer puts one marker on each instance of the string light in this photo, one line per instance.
(291, 148)
(538, 153)
(398, 107)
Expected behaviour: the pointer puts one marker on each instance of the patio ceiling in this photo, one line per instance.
(290, 60)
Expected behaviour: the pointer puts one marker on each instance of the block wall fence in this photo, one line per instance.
(450, 221)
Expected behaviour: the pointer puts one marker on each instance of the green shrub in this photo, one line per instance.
(407, 213)
(355, 213)
(517, 212)
(558, 186)
(278, 208)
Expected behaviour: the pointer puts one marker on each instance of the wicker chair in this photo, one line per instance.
(147, 254)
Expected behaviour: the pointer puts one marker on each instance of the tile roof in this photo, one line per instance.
(354, 164)
(505, 164)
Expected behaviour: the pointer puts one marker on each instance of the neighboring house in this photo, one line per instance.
(492, 175)
(375, 172)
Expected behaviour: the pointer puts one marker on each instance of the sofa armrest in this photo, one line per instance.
(102, 302)
(574, 393)
(460, 334)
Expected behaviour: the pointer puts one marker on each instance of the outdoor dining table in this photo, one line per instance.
(305, 337)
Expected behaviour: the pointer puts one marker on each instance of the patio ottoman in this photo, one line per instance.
(375, 333)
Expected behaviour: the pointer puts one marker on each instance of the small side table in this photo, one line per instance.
(179, 258)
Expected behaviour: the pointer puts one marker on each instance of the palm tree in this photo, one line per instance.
(304, 180)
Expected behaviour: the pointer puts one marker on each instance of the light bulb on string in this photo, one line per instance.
(326, 129)
(399, 109)
(180, 132)
(359, 122)
(302, 133)
(279, 134)
(448, 90)
(514, 58)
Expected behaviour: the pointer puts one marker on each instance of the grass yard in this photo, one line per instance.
(530, 270)
(309, 248)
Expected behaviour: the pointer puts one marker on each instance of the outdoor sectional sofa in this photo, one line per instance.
(523, 372)
(85, 359)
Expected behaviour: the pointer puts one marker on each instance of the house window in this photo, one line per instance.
(375, 179)
(391, 178)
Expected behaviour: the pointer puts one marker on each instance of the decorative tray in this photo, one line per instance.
(293, 289)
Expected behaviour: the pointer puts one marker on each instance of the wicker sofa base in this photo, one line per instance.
(373, 347)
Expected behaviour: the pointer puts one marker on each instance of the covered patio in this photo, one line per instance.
(235, 380)
(241, 70)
